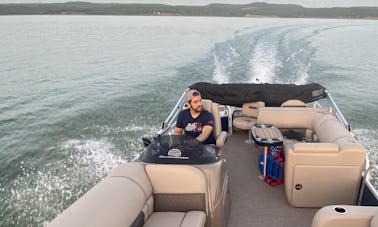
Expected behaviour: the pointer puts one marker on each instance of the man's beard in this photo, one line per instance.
(198, 109)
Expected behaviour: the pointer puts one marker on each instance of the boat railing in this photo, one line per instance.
(370, 182)
(171, 119)
(337, 111)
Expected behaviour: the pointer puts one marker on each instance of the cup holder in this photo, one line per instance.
(340, 210)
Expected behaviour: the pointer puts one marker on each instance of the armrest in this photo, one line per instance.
(315, 148)
(221, 139)
(342, 215)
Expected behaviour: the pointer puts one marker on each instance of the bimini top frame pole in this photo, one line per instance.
(367, 182)
(338, 113)
(169, 122)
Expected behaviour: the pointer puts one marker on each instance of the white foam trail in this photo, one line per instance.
(93, 154)
(294, 54)
(233, 51)
(302, 74)
(220, 74)
(368, 138)
(263, 62)
(131, 127)
(38, 195)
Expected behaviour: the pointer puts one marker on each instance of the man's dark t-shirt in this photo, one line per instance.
(193, 126)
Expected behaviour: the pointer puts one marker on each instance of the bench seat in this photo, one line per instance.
(326, 167)
(136, 195)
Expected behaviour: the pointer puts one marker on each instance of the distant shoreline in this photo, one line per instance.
(253, 10)
(251, 17)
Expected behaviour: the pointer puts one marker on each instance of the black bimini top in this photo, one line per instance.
(271, 94)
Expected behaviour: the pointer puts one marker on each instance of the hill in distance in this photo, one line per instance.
(257, 9)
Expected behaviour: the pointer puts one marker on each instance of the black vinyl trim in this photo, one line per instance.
(139, 220)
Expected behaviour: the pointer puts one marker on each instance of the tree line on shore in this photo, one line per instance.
(258, 9)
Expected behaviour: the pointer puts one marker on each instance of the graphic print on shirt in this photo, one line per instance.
(194, 127)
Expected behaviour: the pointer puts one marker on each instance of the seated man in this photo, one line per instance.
(195, 121)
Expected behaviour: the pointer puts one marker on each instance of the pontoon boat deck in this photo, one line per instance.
(315, 174)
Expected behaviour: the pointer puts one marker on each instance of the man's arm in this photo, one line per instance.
(206, 131)
(178, 131)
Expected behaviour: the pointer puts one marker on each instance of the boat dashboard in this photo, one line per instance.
(178, 149)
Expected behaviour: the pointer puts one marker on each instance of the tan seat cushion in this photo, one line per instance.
(374, 221)
(244, 123)
(354, 216)
(250, 112)
(329, 129)
(106, 204)
(213, 108)
(177, 219)
(176, 179)
(134, 171)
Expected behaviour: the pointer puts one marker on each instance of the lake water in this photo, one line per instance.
(78, 92)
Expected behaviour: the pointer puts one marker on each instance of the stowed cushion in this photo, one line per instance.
(293, 103)
(175, 219)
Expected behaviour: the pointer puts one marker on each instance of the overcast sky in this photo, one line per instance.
(306, 3)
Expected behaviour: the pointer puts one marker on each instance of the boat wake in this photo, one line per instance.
(220, 74)
(95, 156)
(37, 195)
(262, 56)
(369, 139)
(264, 62)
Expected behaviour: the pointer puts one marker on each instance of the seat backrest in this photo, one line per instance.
(135, 171)
(213, 108)
(251, 109)
(288, 117)
(328, 129)
(123, 198)
(178, 188)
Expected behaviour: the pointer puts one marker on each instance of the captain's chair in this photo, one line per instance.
(250, 113)
(220, 136)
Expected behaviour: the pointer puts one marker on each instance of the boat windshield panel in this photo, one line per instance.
(174, 149)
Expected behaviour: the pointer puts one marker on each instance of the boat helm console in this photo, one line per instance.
(177, 149)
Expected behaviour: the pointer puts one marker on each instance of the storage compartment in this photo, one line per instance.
(318, 186)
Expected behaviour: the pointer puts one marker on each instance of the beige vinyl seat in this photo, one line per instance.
(321, 171)
(346, 216)
(220, 136)
(139, 195)
(249, 118)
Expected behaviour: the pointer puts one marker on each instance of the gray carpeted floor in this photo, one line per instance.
(255, 203)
